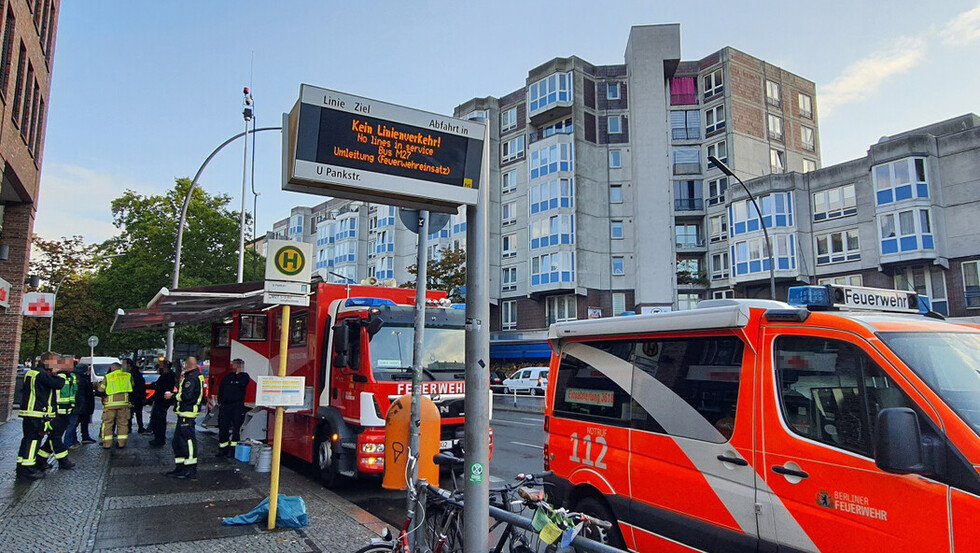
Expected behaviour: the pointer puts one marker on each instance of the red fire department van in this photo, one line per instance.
(353, 344)
(843, 422)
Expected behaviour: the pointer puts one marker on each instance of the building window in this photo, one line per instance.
(618, 303)
(722, 294)
(687, 160)
(688, 195)
(925, 281)
(809, 165)
(716, 190)
(719, 151)
(508, 315)
(8, 49)
(806, 137)
(685, 125)
(836, 247)
(687, 301)
(834, 203)
(713, 84)
(612, 91)
(615, 193)
(687, 236)
(508, 181)
(552, 159)
(774, 94)
(899, 180)
(19, 83)
(508, 279)
(775, 127)
(549, 90)
(615, 124)
(558, 127)
(806, 106)
(777, 211)
(616, 230)
(971, 283)
(552, 194)
(560, 308)
(718, 228)
(777, 161)
(615, 159)
(508, 245)
(508, 120)
(714, 119)
(552, 231)
(843, 280)
(750, 256)
(618, 265)
(909, 232)
(683, 91)
(29, 88)
(508, 212)
(512, 149)
(719, 266)
(553, 268)
(689, 271)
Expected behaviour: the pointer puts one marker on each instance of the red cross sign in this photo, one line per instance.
(38, 305)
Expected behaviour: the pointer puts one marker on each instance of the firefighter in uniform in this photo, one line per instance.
(64, 402)
(231, 410)
(115, 389)
(190, 394)
(36, 408)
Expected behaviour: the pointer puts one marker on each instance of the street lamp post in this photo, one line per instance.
(772, 260)
(54, 307)
(183, 220)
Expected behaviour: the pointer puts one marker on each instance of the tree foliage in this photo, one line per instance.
(447, 272)
(128, 270)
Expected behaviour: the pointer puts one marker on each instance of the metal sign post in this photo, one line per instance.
(418, 345)
(92, 342)
(277, 433)
(476, 428)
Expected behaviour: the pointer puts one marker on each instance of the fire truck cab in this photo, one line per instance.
(842, 420)
(353, 345)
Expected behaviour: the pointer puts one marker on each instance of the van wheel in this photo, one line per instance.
(327, 464)
(597, 508)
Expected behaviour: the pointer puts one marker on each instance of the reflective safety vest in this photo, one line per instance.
(36, 399)
(66, 395)
(118, 384)
(190, 394)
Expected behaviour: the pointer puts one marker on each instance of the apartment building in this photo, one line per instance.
(600, 180)
(28, 30)
(899, 217)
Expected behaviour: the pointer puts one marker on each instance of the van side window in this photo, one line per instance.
(593, 382)
(687, 387)
(831, 391)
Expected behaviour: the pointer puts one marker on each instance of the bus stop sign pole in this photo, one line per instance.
(277, 434)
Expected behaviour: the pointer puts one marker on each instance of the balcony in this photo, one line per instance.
(684, 99)
(690, 244)
(688, 204)
(547, 132)
(688, 133)
(687, 168)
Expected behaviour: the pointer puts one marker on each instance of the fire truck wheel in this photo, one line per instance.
(597, 508)
(326, 462)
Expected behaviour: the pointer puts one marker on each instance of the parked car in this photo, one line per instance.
(97, 366)
(497, 381)
(150, 376)
(531, 380)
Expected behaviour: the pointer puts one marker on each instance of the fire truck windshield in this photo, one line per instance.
(442, 357)
(949, 362)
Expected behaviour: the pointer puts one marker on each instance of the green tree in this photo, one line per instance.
(139, 261)
(447, 272)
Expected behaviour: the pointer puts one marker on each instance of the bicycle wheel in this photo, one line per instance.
(441, 529)
(375, 549)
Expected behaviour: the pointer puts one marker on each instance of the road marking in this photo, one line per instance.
(507, 421)
(528, 445)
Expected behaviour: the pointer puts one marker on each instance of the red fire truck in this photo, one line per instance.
(353, 344)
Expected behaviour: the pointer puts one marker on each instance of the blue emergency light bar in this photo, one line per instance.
(368, 302)
(836, 297)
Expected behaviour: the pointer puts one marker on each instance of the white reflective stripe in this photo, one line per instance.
(674, 414)
(788, 530)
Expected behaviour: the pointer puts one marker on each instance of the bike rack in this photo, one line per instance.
(579, 543)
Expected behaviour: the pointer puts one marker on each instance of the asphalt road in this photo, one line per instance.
(517, 448)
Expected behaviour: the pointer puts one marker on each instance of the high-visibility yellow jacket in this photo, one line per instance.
(65, 396)
(37, 393)
(116, 385)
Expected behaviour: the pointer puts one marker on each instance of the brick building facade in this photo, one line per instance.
(28, 30)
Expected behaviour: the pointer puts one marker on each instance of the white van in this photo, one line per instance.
(532, 380)
(97, 367)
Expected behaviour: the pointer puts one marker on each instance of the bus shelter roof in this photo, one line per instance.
(190, 305)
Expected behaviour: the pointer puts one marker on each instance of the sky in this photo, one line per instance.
(142, 92)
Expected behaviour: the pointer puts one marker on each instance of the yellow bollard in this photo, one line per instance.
(277, 435)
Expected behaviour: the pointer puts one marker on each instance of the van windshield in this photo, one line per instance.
(443, 356)
(949, 362)
(101, 369)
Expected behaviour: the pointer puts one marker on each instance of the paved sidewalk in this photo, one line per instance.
(118, 500)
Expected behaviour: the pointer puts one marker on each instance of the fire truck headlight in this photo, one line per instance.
(372, 448)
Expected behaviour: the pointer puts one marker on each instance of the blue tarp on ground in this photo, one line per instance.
(527, 350)
(290, 513)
